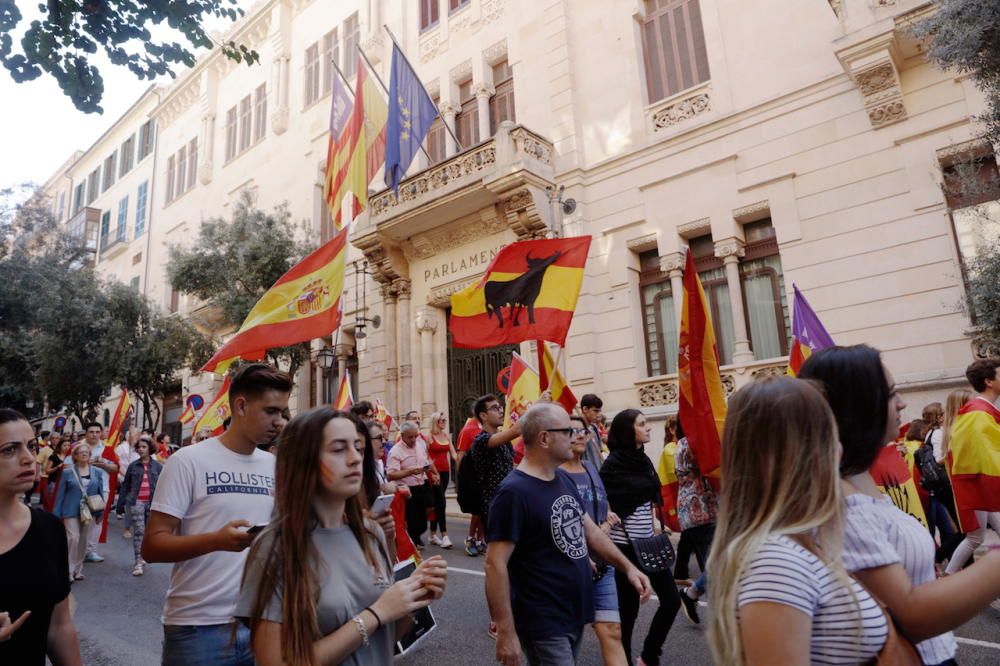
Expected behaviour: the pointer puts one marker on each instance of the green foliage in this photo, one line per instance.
(984, 293)
(234, 262)
(70, 31)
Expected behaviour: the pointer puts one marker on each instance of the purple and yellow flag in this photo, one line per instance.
(808, 333)
(974, 457)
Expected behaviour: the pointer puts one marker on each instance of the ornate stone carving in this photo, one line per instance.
(888, 113)
(672, 262)
(529, 144)
(403, 289)
(441, 296)
(729, 247)
(450, 109)
(388, 293)
(432, 46)
(392, 374)
(405, 371)
(681, 110)
(372, 44)
(769, 371)
(494, 54)
(426, 320)
(642, 243)
(431, 243)
(663, 392)
(461, 73)
(983, 348)
(518, 201)
(696, 228)
(279, 120)
(483, 90)
(491, 10)
(752, 212)
(878, 84)
(876, 79)
(728, 384)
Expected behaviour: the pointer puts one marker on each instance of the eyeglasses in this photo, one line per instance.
(495, 408)
(566, 431)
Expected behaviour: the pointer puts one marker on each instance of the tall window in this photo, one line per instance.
(127, 156)
(312, 72)
(140, 209)
(259, 112)
(428, 13)
(93, 183)
(763, 284)
(331, 55)
(192, 170)
(436, 139)
(713, 280)
(135, 284)
(109, 171)
(78, 196)
(62, 207)
(455, 5)
(230, 133)
(146, 134)
(246, 117)
(180, 183)
(105, 228)
(174, 300)
(352, 37)
(171, 165)
(673, 45)
(122, 219)
(502, 102)
(467, 121)
(658, 319)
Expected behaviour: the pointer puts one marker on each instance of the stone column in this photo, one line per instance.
(206, 146)
(673, 265)
(279, 113)
(391, 371)
(483, 94)
(403, 346)
(343, 352)
(730, 250)
(427, 322)
(448, 112)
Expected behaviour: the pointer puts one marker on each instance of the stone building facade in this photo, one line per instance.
(807, 150)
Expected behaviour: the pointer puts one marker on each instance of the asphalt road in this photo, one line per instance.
(118, 617)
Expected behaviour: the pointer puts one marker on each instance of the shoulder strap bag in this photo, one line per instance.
(86, 517)
(654, 554)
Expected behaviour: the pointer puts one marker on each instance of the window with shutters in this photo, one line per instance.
(502, 102)
(436, 138)
(171, 165)
(764, 297)
(259, 112)
(246, 121)
(312, 71)
(127, 156)
(105, 229)
(352, 37)
(467, 120)
(429, 14)
(231, 133)
(122, 219)
(673, 45)
(180, 183)
(135, 284)
(660, 326)
(455, 5)
(109, 171)
(174, 300)
(93, 183)
(712, 274)
(79, 194)
(192, 163)
(146, 134)
(331, 55)
(140, 209)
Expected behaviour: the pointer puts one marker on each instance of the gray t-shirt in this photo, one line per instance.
(347, 585)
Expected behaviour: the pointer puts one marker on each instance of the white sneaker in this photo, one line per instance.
(434, 540)
(446, 542)
(137, 569)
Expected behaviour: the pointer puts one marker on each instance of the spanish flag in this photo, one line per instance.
(549, 377)
(522, 391)
(344, 399)
(303, 304)
(893, 474)
(974, 460)
(217, 412)
(118, 421)
(529, 292)
(383, 416)
(808, 333)
(666, 469)
(702, 400)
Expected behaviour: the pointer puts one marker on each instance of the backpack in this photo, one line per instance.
(468, 486)
(933, 476)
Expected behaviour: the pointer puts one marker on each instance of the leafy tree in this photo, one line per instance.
(71, 31)
(234, 262)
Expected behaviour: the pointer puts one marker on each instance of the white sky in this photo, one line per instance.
(39, 126)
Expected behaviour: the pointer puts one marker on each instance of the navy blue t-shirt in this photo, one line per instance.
(551, 587)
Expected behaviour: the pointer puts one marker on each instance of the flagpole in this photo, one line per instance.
(371, 68)
(458, 144)
(343, 78)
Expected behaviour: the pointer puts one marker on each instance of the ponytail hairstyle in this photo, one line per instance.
(290, 560)
(956, 400)
(779, 469)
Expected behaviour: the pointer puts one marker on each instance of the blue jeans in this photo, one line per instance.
(555, 651)
(208, 645)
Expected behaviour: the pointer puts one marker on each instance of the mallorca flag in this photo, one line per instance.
(549, 377)
(341, 106)
(303, 304)
(121, 413)
(529, 292)
(523, 390)
(383, 416)
(666, 469)
(974, 457)
(344, 400)
(217, 412)
(893, 475)
(702, 401)
(808, 333)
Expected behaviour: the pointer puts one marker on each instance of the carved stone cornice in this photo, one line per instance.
(752, 212)
(441, 296)
(450, 109)
(431, 46)
(388, 293)
(675, 111)
(403, 289)
(695, 228)
(523, 214)
(873, 65)
(494, 54)
(426, 320)
(729, 247)
(425, 245)
(483, 90)
(461, 73)
(642, 243)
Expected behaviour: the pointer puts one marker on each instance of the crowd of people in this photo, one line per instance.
(286, 534)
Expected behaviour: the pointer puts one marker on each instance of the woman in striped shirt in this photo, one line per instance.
(779, 592)
(889, 551)
(633, 488)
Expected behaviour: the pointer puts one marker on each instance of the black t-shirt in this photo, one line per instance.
(34, 575)
(492, 465)
(551, 587)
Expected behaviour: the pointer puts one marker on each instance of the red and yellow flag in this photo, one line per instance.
(702, 401)
(529, 292)
(303, 304)
(118, 421)
(521, 393)
(974, 460)
(549, 377)
(187, 415)
(893, 474)
(217, 412)
(344, 399)
(666, 469)
(383, 416)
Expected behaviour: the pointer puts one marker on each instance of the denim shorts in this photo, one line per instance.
(208, 645)
(606, 599)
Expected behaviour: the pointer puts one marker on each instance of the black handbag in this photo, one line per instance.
(654, 554)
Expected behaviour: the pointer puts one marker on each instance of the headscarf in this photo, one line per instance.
(630, 480)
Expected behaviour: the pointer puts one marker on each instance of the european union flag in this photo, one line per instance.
(411, 112)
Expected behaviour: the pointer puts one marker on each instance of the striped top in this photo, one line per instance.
(639, 525)
(785, 572)
(877, 534)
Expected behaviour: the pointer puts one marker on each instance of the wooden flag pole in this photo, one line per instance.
(378, 78)
(458, 144)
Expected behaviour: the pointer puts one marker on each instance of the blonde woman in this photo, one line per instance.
(956, 400)
(442, 453)
(779, 590)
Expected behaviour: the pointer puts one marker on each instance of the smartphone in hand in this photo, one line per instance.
(380, 505)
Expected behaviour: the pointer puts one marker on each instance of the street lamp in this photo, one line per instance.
(326, 358)
(361, 303)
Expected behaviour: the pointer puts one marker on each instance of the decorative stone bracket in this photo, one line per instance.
(873, 65)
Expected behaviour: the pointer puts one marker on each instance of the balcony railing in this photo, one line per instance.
(112, 244)
(663, 391)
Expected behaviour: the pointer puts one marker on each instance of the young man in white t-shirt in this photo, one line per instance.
(207, 497)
